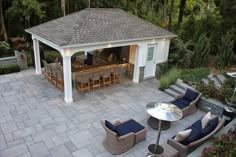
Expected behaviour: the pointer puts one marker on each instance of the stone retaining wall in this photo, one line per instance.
(8, 60)
(212, 105)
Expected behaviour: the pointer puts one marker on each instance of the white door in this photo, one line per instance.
(150, 67)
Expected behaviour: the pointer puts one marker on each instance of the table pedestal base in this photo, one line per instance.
(153, 153)
(153, 123)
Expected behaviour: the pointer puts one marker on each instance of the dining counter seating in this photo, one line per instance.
(83, 82)
(96, 79)
(106, 77)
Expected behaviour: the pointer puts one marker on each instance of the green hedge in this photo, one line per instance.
(9, 68)
(169, 78)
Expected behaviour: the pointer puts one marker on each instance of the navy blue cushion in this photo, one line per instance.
(110, 126)
(194, 136)
(133, 126)
(214, 122)
(210, 126)
(190, 95)
(122, 130)
(198, 124)
(184, 101)
(179, 104)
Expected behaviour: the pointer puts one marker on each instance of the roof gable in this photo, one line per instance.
(95, 25)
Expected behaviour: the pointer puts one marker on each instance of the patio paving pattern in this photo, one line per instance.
(36, 122)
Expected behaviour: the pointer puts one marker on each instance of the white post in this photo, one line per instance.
(37, 56)
(67, 76)
(136, 66)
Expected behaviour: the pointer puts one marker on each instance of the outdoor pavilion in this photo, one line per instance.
(97, 28)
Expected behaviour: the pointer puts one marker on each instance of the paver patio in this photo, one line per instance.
(36, 122)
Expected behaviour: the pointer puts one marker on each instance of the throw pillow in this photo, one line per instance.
(110, 126)
(182, 135)
(194, 136)
(206, 119)
(190, 94)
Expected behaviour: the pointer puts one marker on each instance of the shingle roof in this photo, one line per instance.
(94, 25)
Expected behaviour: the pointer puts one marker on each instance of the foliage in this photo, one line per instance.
(208, 90)
(181, 53)
(25, 9)
(169, 78)
(223, 146)
(225, 50)
(9, 68)
(226, 89)
(50, 56)
(5, 49)
(201, 51)
(194, 75)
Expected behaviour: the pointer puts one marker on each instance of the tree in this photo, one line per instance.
(181, 11)
(170, 14)
(3, 27)
(63, 7)
(25, 9)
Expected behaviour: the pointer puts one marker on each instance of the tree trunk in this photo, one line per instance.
(170, 15)
(63, 7)
(3, 28)
(89, 3)
(181, 11)
(164, 13)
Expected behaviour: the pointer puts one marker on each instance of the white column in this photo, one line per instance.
(67, 77)
(136, 66)
(37, 56)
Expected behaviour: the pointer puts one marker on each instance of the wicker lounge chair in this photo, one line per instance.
(187, 101)
(116, 144)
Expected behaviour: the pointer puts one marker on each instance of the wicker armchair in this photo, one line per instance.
(119, 144)
(190, 107)
(184, 150)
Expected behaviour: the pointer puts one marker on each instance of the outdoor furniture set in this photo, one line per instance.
(54, 74)
(121, 137)
(85, 81)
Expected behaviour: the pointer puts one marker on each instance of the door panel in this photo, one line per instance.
(150, 67)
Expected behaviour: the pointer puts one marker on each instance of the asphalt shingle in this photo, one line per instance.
(95, 25)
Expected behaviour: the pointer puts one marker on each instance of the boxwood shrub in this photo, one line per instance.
(9, 68)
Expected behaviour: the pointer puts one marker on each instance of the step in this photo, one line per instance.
(183, 85)
(205, 81)
(171, 92)
(177, 89)
(221, 78)
(213, 78)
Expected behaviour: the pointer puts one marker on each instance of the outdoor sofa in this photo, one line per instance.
(197, 137)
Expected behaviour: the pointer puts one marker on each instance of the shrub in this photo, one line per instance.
(225, 50)
(201, 51)
(224, 145)
(9, 68)
(50, 58)
(169, 78)
(194, 75)
(208, 90)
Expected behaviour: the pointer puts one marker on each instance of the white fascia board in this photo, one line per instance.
(47, 42)
(120, 42)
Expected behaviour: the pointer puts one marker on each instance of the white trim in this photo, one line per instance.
(119, 41)
(47, 42)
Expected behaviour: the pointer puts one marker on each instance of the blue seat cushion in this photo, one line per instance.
(210, 127)
(197, 124)
(190, 95)
(133, 126)
(122, 130)
(110, 126)
(194, 135)
(179, 104)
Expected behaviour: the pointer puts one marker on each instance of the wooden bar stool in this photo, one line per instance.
(106, 77)
(96, 79)
(83, 82)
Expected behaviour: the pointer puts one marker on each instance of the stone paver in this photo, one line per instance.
(35, 121)
(39, 150)
(14, 151)
(61, 151)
